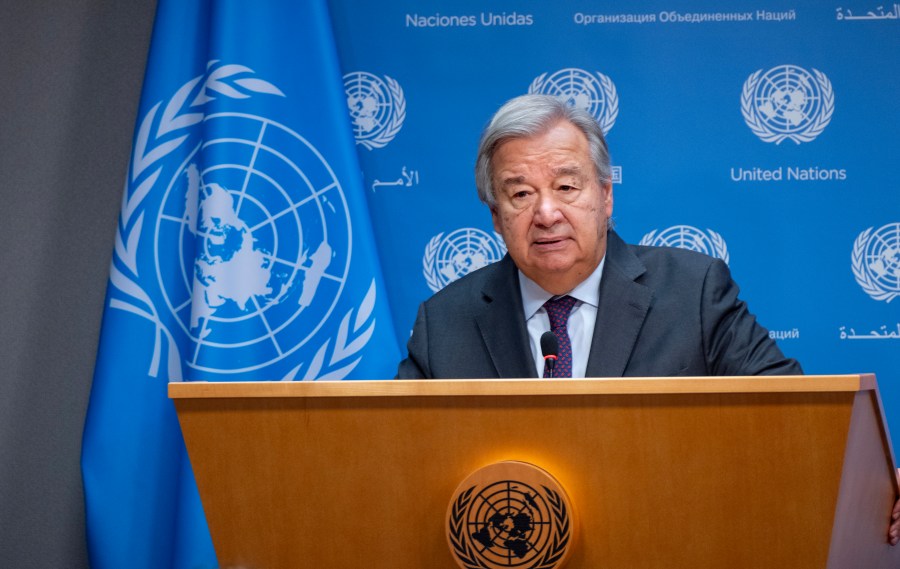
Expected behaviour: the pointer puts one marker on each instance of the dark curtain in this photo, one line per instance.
(70, 78)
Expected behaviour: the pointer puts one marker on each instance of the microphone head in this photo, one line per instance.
(549, 344)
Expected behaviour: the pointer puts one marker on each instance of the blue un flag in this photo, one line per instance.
(244, 251)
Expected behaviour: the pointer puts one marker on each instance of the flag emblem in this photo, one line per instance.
(259, 234)
(254, 223)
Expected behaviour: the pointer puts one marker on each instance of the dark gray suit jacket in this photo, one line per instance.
(662, 312)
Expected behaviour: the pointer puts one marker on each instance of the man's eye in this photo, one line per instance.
(521, 194)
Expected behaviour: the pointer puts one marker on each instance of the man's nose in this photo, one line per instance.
(546, 209)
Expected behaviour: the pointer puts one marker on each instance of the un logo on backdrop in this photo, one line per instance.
(690, 238)
(594, 93)
(377, 108)
(458, 254)
(787, 102)
(876, 261)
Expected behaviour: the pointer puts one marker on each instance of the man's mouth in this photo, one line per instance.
(549, 242)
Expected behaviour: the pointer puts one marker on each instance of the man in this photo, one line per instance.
(617, 310)
(543, 170)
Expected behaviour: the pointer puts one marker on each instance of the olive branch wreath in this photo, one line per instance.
(429, 266)
(610, 111)
(163, 130)
(869, 285)
(766, 134)
(464, 551)
(719, 245)
(466, 554)
(563, 532)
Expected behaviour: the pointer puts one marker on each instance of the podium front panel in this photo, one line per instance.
(673, 478)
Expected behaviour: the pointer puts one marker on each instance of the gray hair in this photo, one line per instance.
(531, 115)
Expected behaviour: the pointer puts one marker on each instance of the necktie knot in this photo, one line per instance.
(558, 310)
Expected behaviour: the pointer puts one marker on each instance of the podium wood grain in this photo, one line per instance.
(680, 473)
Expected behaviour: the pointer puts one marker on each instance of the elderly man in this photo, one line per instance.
(618, 310)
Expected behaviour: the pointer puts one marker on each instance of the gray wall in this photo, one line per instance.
(70, 77)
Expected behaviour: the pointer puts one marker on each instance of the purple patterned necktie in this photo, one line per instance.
(558, 310)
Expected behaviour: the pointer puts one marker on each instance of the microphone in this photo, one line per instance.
(549, 349)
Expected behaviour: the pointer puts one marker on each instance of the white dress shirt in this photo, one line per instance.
(581, 319)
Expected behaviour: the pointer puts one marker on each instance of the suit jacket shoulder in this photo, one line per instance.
(473, 328)
(666, 311)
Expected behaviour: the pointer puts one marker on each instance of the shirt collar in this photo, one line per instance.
(534, 297)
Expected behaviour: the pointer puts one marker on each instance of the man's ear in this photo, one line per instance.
(495, 217)
(608, 203)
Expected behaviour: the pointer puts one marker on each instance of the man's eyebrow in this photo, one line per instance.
(557, 172)
(567, 171)
(512, 181)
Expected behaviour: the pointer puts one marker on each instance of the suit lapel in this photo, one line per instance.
(623, 307)
(502, 323)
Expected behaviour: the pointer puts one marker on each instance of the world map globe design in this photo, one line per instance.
(787, 99)
(510, 523)
(370, 104)
(258, 226)
(882, 257)
(463, 251)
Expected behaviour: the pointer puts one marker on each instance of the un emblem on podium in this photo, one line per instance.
(510, 514)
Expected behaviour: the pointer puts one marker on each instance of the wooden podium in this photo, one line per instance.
(777, 472)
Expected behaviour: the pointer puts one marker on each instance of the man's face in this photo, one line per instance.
(551, 210)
